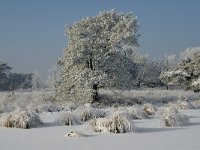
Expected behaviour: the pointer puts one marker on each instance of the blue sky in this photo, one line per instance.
(32, 37)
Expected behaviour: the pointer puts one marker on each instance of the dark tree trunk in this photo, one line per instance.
(167, 87)
(139, 84)
(95, 93)
(91, 65)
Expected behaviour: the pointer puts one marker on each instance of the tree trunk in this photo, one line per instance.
(95, 92)
(139, 84)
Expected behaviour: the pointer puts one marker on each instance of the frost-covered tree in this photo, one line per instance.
(96, 55)
(169, 61)
(148, 74)
(186, 73)
(36, 81)
(53, 77)
(189, 53)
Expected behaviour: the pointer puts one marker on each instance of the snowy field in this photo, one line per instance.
(148, 133)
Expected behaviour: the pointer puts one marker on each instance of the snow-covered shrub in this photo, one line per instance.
(7, 102)
(185, 105)
(149, 108)
(68, 105)
(47, 107)
(123, 111)
(27, 101)
(153, 96)
(136, 112)
(20, 119)
(170, 117)
(6, 120)
(196, 103)
(74, 134)
(87, 112)
(115, 123)
(68, 119)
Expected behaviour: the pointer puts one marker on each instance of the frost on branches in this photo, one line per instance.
(186, 73)
(96, 55)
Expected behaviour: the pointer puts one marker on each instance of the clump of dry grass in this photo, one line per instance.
(68, 119)
(196, 103)
(115, 123)
(20, 119)
(185, 105)
(151, 95)
(136, 112)
(170, 117)
(149, 109)
(87, 113)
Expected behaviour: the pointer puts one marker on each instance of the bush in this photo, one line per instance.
(172, 118)
(185, 105)
(116, 123)
(149, 109)
(68, 106)
(68, 119)
(86, 113)
(27, 101)
(47, 107)
(196, 104)
(19, 119)
(136, 112)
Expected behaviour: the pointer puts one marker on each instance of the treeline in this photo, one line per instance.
(11, 81)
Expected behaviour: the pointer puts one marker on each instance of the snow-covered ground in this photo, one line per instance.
(149, 135)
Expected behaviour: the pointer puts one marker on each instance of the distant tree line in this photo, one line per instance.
(11, 81)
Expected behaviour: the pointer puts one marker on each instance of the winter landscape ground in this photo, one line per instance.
(102, 93)
(149, 131)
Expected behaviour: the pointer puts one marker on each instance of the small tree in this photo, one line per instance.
(186, 73)
(96, 55)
